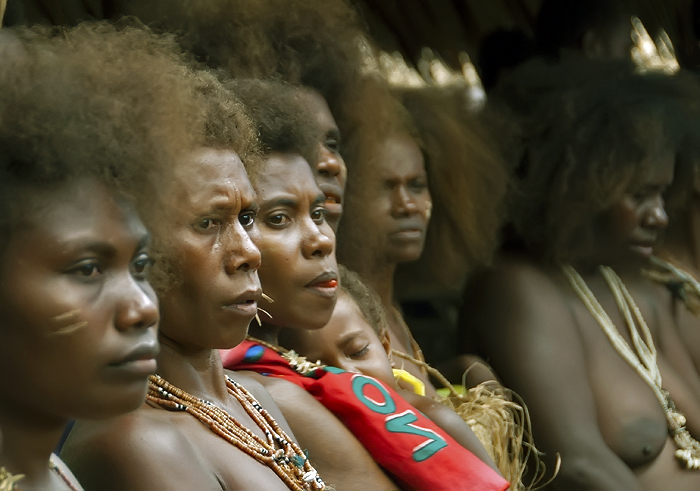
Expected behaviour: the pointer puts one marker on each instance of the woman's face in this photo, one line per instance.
(395, 201)
(299, 271)
(78, 330)
(331, 172)
(347, 342)
(202, 225)
(635, 223)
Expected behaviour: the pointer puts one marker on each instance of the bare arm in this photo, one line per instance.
(324, 436)
(533, 342)
(127, 454)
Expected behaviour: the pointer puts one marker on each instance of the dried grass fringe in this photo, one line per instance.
(8, 482)
(502, 425)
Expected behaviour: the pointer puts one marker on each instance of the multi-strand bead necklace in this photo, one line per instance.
(277, 451)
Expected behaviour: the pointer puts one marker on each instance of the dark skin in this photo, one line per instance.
(681, 245)
(587, 403)
(74, 294)
(203, 224)
(396, 203)
(350, 343)
(331, 173)
(299, 273)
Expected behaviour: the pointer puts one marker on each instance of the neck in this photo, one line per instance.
(380, 276)
(267, 332)
(199, 372)
(631, 264)
(682, 238)
(28, 438)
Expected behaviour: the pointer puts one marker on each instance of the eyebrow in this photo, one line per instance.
(348, 337)
(289, 202)
(321, 198)
(104, 248)
(144, 240)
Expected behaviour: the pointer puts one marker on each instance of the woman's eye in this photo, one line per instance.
(418, 186)
(88, 269)
(140, 265)
(247, 219)
(318, 215)
(332, 145)
(207, 224)
(278, 219)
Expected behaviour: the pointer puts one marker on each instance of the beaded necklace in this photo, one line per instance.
(57, 470)
(642, 358)
(277, 451)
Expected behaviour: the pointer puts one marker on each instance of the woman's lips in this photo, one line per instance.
(325, 284)
(245, 304)
(139, 363)
(247, 308)
(644, 250)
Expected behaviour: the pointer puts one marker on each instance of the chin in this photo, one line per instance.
(303, 320)
(231, 339)
(408, 256)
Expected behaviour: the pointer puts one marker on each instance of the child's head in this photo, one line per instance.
(355, 339)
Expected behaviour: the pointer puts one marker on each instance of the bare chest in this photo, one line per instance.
(232, 464)
(630, 416)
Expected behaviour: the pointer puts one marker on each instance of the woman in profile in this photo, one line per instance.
(570, 322)
(78, 331)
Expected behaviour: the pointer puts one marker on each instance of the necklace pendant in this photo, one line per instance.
(8, 482)
(689, 457)
(300, 363)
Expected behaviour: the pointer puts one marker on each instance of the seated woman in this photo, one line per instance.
(356, 339)
(78, 331)
(299, 273)
(571, 323)
(387, 206)
(467, 182)
(200, 429)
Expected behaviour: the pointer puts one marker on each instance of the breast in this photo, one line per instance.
(630, 417)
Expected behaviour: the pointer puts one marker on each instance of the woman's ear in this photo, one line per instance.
(385, 339)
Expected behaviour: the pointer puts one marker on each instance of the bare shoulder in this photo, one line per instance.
(142, 450)
(318, 430)
(518, 299)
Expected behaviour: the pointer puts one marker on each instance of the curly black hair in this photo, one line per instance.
(281, 118)
(587, 146)
(96, 100)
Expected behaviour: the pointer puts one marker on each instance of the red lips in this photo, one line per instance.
(326, 284)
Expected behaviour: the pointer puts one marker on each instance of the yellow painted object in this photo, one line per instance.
(404, 376)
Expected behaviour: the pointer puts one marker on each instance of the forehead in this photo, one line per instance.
(658, 170)
(210, 171)
(317, 103)
(285, 173)
(399, 156)
(346, 317)
(81, 209)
